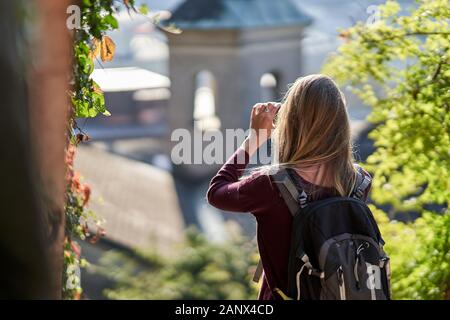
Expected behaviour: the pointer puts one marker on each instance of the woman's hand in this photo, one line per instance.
(261, 125)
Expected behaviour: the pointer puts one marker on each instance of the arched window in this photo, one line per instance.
(205, 118)
(269, 87)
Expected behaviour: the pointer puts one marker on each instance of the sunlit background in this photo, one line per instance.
(158, 82)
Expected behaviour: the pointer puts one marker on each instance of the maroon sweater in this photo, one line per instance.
(258, 195)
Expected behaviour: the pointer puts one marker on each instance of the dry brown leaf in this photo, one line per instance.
(97, 89)
(108, 48)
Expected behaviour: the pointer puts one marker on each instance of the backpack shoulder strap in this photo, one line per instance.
(294, 197)
(258, 271)
(362, 182)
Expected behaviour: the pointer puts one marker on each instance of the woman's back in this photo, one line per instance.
(312, 137)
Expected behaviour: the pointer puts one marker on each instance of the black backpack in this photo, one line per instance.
(336, 247)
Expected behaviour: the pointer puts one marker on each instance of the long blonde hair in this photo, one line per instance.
(312, 128)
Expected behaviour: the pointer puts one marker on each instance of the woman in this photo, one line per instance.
(311, 136)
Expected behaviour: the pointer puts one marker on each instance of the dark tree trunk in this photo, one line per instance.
(33, 91)
(48, 88)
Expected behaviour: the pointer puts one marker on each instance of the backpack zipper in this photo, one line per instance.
(385, 264)
(340, 274)
(361, 247)
(298, 278)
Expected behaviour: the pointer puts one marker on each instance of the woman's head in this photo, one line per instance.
(312, 128)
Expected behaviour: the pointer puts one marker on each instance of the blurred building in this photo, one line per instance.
(240, 51)
(231, 55)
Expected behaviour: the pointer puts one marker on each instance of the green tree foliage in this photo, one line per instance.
(420, 255)
(400, 66)
(198, 270)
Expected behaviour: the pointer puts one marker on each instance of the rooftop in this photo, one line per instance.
(237, 14)
(138, 201)
(129, 79)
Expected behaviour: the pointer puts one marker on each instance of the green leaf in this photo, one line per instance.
(171, 28)
(143, 9)
(112, 21)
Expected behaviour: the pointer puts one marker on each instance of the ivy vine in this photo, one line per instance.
(90, 43)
